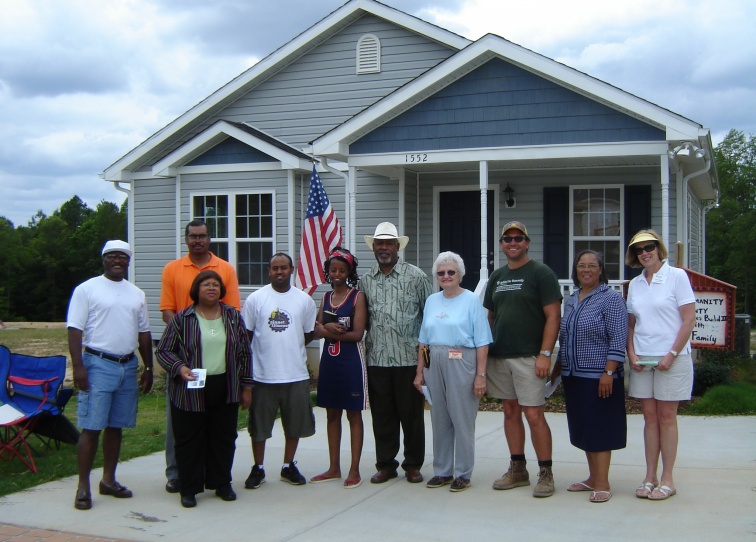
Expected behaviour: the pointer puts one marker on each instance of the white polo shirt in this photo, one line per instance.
(656, 308)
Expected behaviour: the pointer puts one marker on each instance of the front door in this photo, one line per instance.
(459, 230)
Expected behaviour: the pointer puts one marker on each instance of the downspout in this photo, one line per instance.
(291, 187)
(685, 181)
(349, 182)
(713, 205)
(129, 223)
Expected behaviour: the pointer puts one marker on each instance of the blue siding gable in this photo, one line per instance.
(231, 151)
(502, 105)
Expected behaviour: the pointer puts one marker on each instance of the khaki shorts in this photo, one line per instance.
(673, 385)
(294, 401)
(515, 378)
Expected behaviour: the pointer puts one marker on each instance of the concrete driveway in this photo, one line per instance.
(715, 476)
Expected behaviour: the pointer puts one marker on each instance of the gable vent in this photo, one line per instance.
(368, 54)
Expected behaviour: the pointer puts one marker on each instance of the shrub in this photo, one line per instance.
(710, 373)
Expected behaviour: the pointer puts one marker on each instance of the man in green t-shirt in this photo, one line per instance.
(523, 302)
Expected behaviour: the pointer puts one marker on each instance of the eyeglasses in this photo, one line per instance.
(450, 272)
(516, 239)
(111, 257)
(203, 237)
(647, 248)
(583, 267)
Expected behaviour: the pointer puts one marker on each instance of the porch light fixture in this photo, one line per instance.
(509, 196)
(686, 150)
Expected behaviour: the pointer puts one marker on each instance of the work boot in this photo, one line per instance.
(516, 476)
(545, 485)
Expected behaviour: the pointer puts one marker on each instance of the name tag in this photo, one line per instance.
(455, 354)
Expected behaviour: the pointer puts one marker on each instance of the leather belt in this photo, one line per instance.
(104, 355)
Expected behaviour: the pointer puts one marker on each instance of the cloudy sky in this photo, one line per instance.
(82, 82)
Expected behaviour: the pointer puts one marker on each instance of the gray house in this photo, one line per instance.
(410, 123)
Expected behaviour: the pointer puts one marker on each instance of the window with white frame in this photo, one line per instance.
(242, 231)
(597, 224)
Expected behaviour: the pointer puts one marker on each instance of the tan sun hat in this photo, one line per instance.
(386, 230)
(640, 237)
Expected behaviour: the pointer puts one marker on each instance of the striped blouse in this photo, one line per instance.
(593, 332)
(181, 345)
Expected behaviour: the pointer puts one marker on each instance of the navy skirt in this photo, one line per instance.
(596, 424)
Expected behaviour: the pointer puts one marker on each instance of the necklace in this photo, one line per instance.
(210, 322)
(336, 306)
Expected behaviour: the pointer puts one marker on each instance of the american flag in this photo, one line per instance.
(320, 235)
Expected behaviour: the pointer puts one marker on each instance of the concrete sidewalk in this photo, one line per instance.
(715, 477)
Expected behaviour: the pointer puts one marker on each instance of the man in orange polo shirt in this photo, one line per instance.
(178, 276)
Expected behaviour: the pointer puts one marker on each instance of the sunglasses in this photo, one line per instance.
(516, 239)
(450, 272)
(647, 248)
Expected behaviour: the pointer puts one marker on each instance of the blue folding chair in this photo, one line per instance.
(29, 389)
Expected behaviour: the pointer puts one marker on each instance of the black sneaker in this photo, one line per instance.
(439, 481)
(292, 475)
(459, 484)
(256, 478)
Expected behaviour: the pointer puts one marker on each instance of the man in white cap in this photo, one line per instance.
(523, 300)
(107, 319)
(396, 292)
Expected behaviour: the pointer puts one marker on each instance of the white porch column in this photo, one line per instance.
(483, 220)
(665, 198)
(352, 209)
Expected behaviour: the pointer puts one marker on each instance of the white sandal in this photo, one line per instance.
(644, 490)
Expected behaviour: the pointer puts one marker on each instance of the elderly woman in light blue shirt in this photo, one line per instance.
(452, 353)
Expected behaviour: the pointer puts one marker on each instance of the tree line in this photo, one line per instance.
(42, 262)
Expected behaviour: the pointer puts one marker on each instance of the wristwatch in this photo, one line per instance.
(610, 373)
(674, 354)
(546, 353)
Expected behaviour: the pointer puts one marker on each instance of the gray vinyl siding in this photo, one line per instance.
(155, 239)
(377, 201)
(501, 105)
(231, 151)
(321, 89)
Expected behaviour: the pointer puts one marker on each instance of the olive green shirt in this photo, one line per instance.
(395, 309)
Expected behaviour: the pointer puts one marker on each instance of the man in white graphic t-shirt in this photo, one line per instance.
(281, 320)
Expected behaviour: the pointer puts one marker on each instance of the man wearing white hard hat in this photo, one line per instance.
(107, 322)
(396, 292)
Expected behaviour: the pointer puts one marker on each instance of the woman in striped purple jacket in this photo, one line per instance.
(205, 351)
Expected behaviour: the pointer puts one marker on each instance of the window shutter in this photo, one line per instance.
(368, 54)
(556, 230)
(637, 217)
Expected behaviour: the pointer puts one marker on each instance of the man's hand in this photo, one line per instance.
(542, 366)
(81, 380)
(246, 398)
(145, 381)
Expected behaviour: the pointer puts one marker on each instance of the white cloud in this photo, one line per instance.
(82, 82)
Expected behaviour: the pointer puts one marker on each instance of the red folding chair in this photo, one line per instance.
(29, 388)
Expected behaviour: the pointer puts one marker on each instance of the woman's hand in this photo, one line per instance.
(606, 383)
(479, 386)
(335, 328)
(186, 374)
(665, 364)
(634, 363)
(419, 382)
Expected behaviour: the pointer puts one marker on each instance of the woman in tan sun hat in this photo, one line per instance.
(661, 308)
